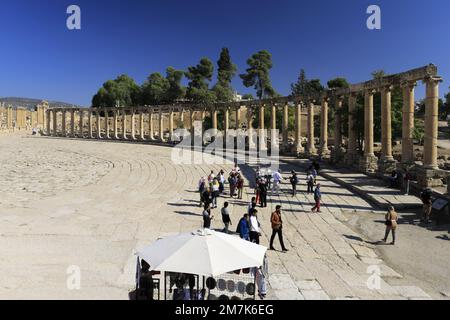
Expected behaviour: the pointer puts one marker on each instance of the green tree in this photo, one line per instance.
(226, 72)
(335, 84)
(306, 88)
(155, 89)
(198, 87)
(123, 91)
(176, 90)
(257, 75)
(247, 96)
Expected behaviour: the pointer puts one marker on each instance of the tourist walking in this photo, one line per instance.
(201, 189)
(294, 181)
(251, 205)
(221, 180)
(240, 186)
(258, 190)
(243, 227)
(310, 182)
(233, 183)
(277, 228)
(317, 199)
(425, 196)
(254, 227)
(207, 217)
(207, 197)
(215, 192)
(263, 193)
(276, 181)
(391, 224)
(226, 217)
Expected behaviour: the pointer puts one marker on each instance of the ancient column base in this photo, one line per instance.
(368, 164)
(325, 153)
(312, 153)
(386, 166)
(430, 178)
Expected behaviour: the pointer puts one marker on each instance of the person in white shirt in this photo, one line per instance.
(254, 227)
(276, 181)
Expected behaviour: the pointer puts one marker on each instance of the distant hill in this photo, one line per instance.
(31, 103)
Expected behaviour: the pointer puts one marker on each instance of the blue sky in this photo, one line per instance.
(41, 58)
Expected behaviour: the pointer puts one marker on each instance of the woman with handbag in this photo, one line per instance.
(391, 224)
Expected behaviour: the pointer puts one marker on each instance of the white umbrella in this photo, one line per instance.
(204, 252)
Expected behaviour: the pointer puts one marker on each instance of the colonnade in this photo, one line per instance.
(137, 123)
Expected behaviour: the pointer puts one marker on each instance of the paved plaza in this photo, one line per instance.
(90, 204)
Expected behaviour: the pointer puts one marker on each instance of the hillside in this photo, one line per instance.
(30, 103)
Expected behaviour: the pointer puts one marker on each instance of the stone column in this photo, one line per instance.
(338, 124)
(285, 126)
(133, 124)
(386, 164)
(369, 161)
(150, 125)
(49, 129)
(63, 123)
(386, 123)
(107, 127)
(408, 122)
(72, 123)
(250, 126)
(192, 126)
(55, 122)
(352, 154)
(298, 128)
(226, 120)
(262, 136)
(81, 124)
(214, 118)
(161, 125)
(324, 152)
(116, 124)
(431, 122)
(99, 124)
(171, 128)
(311, 149)
(273, 117)
(90, 124)
(238, 117)
(141, 124)
(124, 124)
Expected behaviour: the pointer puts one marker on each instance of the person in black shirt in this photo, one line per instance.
(146, 282)
(263, 193)
(294, 181)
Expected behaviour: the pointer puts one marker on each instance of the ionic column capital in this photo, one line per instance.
(369, 92)
(432, 80)
(408, 84)
(387, 88)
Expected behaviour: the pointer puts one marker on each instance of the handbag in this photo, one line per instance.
(388, 223)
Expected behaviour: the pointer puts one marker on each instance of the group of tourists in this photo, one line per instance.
(212, 186)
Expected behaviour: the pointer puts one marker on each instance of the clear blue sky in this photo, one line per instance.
(41, 58)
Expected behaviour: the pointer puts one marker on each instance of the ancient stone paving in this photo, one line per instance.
(128, 195)
(372, 189)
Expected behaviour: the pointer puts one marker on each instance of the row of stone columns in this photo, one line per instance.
(369, 161)
(103, 122)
